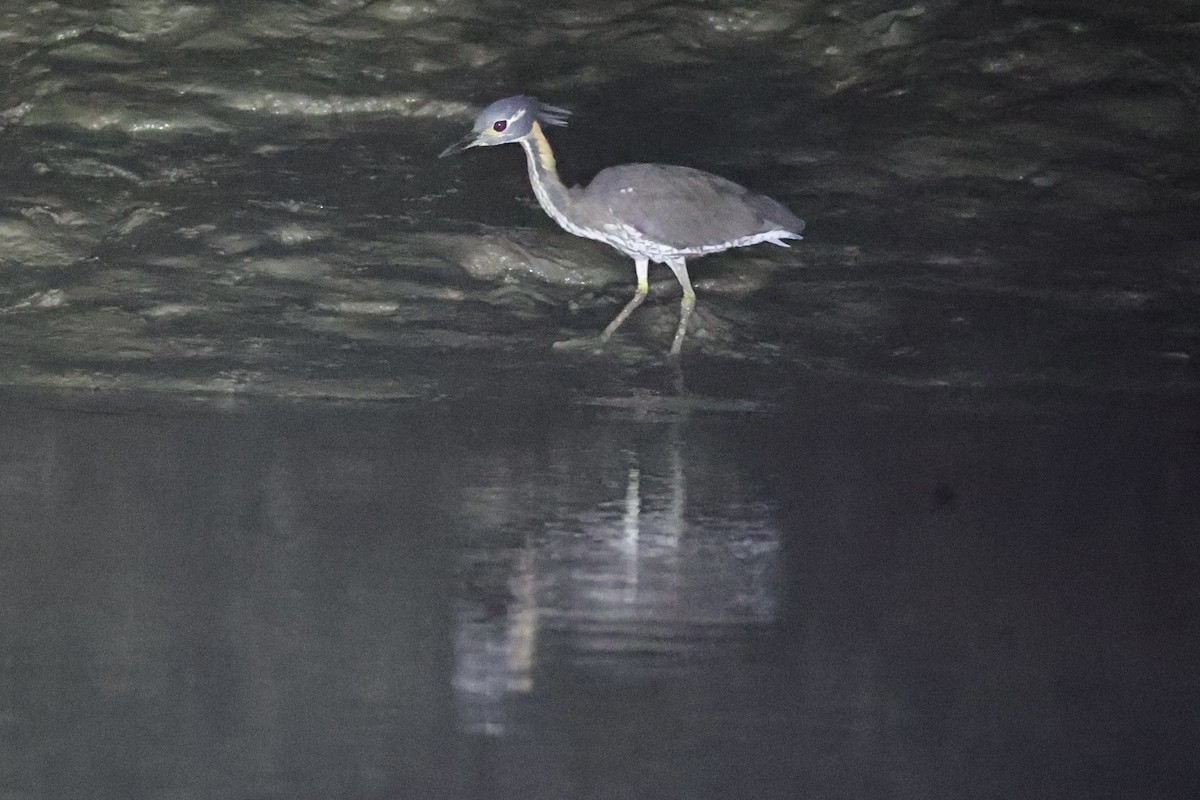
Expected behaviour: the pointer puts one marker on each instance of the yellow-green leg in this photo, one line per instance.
(679, 267)
(643, 288)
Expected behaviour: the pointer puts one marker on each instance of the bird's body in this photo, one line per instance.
(649, 212)
(658, 204)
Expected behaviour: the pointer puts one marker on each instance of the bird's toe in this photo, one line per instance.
(589, 343)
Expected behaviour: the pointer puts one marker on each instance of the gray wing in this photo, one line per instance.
(684, 207)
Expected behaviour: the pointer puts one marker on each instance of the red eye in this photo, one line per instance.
(499, 126)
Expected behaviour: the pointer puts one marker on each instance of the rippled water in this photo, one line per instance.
(244, 198)
(298, 501)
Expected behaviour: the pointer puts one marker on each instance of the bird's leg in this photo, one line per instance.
(643, 288)
(679, 267)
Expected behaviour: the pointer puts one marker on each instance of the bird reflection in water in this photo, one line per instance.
(627, 589)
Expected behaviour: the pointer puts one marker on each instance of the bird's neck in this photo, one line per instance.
(550, 192)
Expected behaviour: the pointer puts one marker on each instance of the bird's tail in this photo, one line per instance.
(777, 237)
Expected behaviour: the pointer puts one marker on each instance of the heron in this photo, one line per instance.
(650, 212)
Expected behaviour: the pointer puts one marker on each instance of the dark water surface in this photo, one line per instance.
(846, 598)
(296, 500)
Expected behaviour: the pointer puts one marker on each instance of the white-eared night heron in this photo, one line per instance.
(650, 212)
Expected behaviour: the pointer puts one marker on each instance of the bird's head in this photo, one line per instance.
(508, 120)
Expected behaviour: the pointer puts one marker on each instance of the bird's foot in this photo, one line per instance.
(590, 343)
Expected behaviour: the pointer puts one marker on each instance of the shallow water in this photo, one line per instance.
(299, 501)
(410, 600)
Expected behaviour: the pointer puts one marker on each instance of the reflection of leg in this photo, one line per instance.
(643, 287)
(679, 267)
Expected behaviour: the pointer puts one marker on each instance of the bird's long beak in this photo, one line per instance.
(470, 140)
